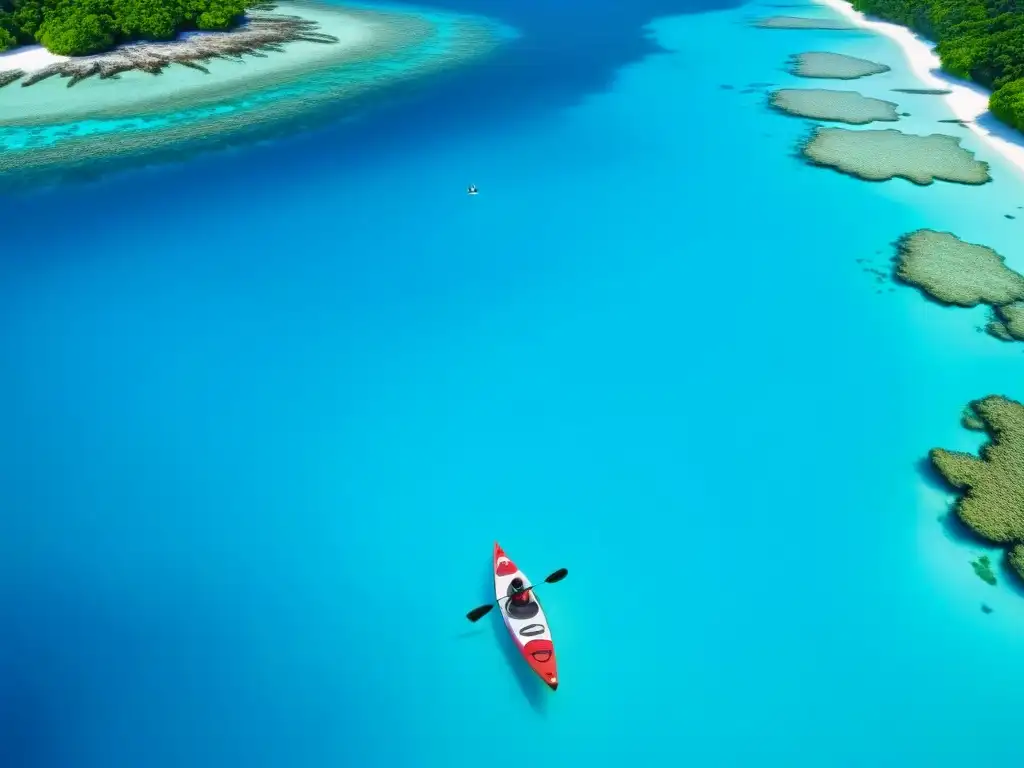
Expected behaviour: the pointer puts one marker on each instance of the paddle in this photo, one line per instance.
(478, 613)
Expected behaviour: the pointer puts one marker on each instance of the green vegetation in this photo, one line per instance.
(992, 484)
(983, 570)
(80, 27)
(979, 40)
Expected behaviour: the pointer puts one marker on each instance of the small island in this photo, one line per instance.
(991, 485)
(836, 106)
(802, 22)
(834, 66)
(277, 68)
(82, 27)
(881, 155)
(956, 273)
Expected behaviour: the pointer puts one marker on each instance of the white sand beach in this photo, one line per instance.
(969, 102)
(30, 58)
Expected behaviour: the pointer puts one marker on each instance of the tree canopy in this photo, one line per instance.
(79, 27)
(979, 40)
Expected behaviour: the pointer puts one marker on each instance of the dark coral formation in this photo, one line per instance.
(256, 36)
(991, 485)
(969, 420)
(983, 570)
(6, 78)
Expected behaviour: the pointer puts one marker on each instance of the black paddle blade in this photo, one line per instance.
(478, 613)
(558, 575)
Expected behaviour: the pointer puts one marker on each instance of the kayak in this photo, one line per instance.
(526, 624)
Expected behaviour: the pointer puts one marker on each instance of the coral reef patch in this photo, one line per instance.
(835, 66)
(835, 106)
(881, 155)
(956, 273)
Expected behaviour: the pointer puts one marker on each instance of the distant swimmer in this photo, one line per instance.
(472, 190)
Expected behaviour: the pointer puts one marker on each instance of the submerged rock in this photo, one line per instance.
(983, 570)
(969, 419)
(801, 22)
(837, 106)
(836, 66)
(887, 154)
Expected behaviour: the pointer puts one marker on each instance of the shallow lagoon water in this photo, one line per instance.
(266, 411)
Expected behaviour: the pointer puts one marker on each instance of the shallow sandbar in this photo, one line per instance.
(835, 66)
(801, 22)
(924, 91)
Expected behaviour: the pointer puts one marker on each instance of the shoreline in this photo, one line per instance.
(30, 58)
(968, 101)
(357, 35)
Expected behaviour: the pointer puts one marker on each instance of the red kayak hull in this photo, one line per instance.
(527, 625)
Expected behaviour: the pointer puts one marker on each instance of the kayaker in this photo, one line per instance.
(520, 594)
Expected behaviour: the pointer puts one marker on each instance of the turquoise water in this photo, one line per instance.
(265, 413)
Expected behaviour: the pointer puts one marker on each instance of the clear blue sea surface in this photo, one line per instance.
(263, 414)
